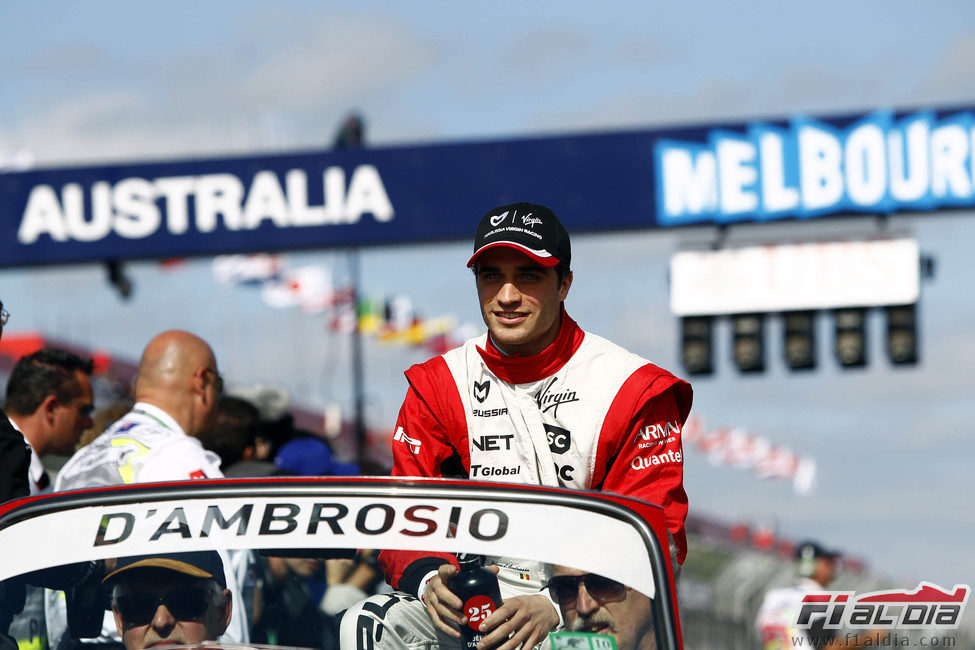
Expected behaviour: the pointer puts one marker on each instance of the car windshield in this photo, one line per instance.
(299, 562)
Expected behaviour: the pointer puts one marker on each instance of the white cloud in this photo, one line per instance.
(537, 52)
(94, 112)
(953, 78)
(76, 57)
(275, 92)
(337, 63)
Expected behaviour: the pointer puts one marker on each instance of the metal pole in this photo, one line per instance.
(358, 389)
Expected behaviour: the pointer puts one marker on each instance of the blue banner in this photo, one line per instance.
(876, 163)
(879, 162)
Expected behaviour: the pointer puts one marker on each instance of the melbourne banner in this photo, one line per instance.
(882, 162)
(879, 163)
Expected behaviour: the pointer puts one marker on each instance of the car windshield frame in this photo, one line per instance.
(573, 510)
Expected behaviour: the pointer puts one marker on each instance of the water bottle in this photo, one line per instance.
(478, 590)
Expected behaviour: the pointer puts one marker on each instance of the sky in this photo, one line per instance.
(112, 81)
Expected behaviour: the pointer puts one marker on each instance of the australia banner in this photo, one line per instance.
(881, 162)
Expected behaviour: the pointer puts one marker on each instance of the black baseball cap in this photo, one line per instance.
(527, 227)
(811, 550)
(196, 564)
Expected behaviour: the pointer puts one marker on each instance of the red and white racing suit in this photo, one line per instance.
(583, 413)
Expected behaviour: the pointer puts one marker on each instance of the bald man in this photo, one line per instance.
(176, 394)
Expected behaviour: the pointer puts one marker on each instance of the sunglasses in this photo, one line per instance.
(565, 589)
(187, 604)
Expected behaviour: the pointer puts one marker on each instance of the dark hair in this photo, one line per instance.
(562, 271)
(234, 431)
(46, 372)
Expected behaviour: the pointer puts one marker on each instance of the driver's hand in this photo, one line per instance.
(443, 605)
(522, 621)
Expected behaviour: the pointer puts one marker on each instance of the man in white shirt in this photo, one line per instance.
(176, 393)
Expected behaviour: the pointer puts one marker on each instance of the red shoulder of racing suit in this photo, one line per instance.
(639, 452)
(433, 409)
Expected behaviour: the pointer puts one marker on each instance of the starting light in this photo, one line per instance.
(799, 342)
(902, 334)
(748, 342)
(696, 345)
(851, 337)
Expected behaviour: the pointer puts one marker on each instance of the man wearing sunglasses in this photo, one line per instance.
(170, 599)
(598, 605)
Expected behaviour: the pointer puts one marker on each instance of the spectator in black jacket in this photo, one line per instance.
(14, 452)
(50, 401)
(14, 462)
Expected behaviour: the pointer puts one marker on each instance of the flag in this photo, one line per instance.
(738, 448)
(342, 320)
(371, 316)
(308, 288)
(252, 270)
(399, 313)
(804, 481)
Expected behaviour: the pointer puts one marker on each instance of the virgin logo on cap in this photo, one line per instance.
(529, 221)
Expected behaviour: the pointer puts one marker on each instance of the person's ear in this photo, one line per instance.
(564, 288)
(200, 381)
(48, 408)
(118, 620)
(228, 607)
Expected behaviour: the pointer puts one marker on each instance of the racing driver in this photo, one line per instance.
(535, 400)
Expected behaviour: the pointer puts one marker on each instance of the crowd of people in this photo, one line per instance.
(178, 424)
(561, 407)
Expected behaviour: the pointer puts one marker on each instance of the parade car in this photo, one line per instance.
(70, 552)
